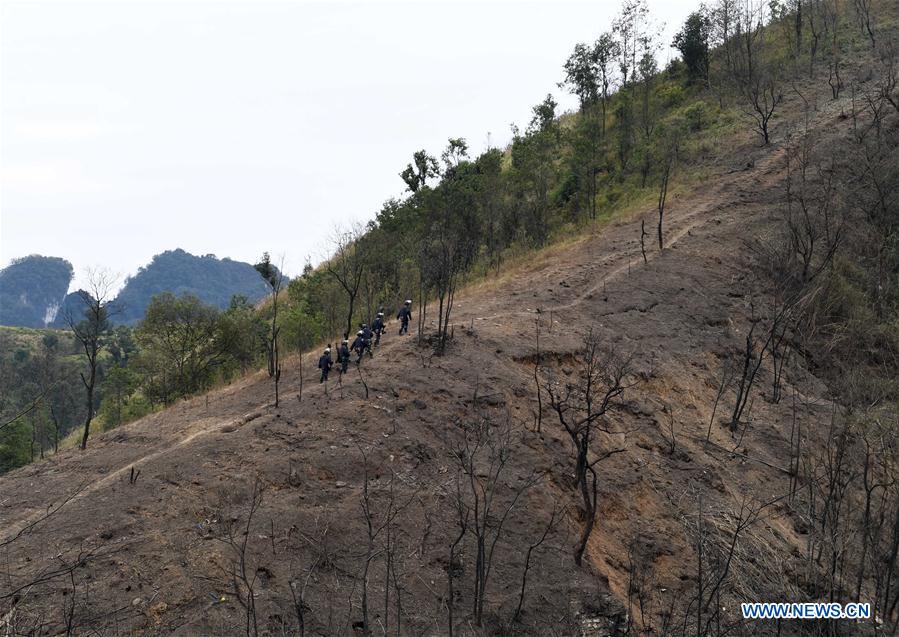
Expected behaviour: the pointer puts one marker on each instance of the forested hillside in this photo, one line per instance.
(214, 281)
(32, 290)
(652, 373)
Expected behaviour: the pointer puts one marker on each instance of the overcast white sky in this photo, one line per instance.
(129, 128)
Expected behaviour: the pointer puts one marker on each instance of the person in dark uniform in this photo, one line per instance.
(368, 335)
(358, 345)
(343, 356)
(324, 364)
(405, 315)
(378, 327)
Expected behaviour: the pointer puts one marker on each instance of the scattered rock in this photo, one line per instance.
(340, 484)
(494, 400)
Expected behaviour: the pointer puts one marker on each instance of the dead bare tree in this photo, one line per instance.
(669, 416)
(539, 419)
(275, 279)
(795, 449)
(482, 456)
(274, 276)
(380, 509)
(752, 357)
(877, 477)
(829, 475)
(716, 551)
(602, 377)
(90, 330)
(347, 265)
(643, 235)
(865, 19)
(830, 16)
(553, 519)
(755, 69)
(888, 82)
(373, 530)
(464, 514)
(298, 597)
(726, 375)
(668, 166)
(241, 573)
(764, 96)
(812, 214)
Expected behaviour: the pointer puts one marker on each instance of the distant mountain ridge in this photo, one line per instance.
(214, 281)
(33, 289)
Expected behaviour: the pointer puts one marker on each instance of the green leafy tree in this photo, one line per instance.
(693, 43)
(455, 152)
(647, 71)
(489, 166)
(181, 347)
(624, 130)
(266, 269)
(581, 75)
(585, 161)
(422, 168)
(15, 445)
(121, 403)
(544, 115)
(630, 27)
(606, 52)
(534, 170)
(450, 245)
(242, 333)
(59, 383)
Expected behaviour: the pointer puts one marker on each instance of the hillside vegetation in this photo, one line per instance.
(213, 281)
(652, 375)
(32, 290)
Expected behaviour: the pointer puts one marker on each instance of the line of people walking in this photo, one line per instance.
(367, 338)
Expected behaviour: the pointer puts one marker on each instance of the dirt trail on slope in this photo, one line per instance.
(597, 261)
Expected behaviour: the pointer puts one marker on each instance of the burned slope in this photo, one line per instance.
(427, 491)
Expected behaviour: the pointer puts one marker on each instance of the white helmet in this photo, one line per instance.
(359, 333)
(408, 301)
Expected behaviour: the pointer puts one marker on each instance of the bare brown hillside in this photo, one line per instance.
(91, 543)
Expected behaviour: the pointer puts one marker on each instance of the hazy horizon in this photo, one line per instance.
(131, 128)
